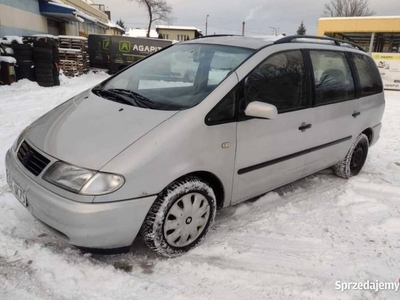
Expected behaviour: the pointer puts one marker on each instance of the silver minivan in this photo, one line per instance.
(201, 125)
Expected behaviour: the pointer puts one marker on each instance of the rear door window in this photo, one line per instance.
(370, 79)
(333, 78)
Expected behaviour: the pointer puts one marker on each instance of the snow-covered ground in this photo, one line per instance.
(294, 243)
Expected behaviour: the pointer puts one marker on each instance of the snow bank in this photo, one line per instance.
(9, 51)
(8, 59)
(8, 39)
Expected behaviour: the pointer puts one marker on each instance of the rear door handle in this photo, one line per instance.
(304, 127)
(356, 114)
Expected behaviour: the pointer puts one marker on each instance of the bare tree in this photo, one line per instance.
(348, 8)
(158, 10)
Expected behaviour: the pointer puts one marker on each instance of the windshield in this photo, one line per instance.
(177, 78)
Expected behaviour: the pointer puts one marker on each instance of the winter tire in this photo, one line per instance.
(44, 79)
(19, 47)
(42, 50)
(48, 72)
(56, 77)
(24, 74)
(42, 57)
(40, 77)
(22, 58)
(56, 58)
(46, 84)
(47, 66)
(352, 164)
(180, 218)
(42, 44)
(27, 52)
(24, 65)
(57, 81)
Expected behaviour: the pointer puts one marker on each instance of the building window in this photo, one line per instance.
(165, 36)
(183, 37)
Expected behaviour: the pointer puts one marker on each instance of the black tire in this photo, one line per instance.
(42, 44)
(44, 77)
(18, 47)
(153, 229)
(53, 43)
(21, 58)
(24, 65)
(57, 81)
(46, 66)
(45, 83)
(28, 52)
(56, 76)
(56, 58)
(47, 72)
(42, 61)
(355, 159)
(43, 57)
(25, 74)
(42, 50)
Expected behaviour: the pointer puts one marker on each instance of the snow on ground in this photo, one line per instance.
(294, 243)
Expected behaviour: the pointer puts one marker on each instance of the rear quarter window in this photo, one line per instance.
(370, 79)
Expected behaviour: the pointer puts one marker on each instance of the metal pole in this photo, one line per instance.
(243, 27)
(371, 45)
(207, 24)
(275, 30)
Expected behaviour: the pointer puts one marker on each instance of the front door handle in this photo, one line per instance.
(356, 114)
(304, 127)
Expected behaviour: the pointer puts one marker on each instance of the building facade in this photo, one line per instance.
(178, 33)
(55, 17)
(374, 34)
(114, 29)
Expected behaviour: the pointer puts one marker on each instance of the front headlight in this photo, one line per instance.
(82, 181)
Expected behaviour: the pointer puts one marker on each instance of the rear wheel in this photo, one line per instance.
(180, 218)
(352, 164)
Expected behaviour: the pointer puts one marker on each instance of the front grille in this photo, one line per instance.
(31, 159)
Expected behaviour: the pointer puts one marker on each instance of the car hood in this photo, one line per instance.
(88, 131)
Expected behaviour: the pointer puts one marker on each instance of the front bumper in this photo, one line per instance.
(90, 225)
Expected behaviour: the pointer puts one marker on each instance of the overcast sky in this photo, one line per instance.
(226, 16)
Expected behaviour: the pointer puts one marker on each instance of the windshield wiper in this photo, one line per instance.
(112, 96)
(140, 100)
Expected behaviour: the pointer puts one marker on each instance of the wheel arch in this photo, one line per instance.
(214, 182)
(370, 134)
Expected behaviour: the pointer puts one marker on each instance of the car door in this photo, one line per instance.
(271, 153)
(335, 111)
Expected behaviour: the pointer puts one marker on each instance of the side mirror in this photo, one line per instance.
(262, 110)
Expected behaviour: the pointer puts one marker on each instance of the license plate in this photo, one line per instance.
(18, 192)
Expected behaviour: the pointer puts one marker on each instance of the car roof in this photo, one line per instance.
(235, 41)
(257, 43)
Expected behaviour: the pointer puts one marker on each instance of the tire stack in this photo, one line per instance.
(56, 63)
(23, 53)
(44, 62)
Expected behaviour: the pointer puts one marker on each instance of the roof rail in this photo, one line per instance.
(337, 42)
(218, 35)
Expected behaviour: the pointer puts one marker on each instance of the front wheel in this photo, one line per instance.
(352, 164)
(180, 217)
